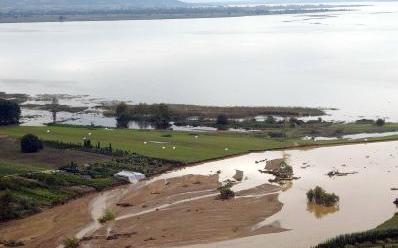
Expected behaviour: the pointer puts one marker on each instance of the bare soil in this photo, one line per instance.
(182, 211)
(162, 213)
(49, 228)
(48, 157)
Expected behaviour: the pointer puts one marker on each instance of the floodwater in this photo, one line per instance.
(366, 198)
(345, 60)
(353, 136)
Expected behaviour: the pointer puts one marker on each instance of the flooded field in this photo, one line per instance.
(365, 198)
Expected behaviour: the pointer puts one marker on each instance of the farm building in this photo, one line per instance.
(132, 177)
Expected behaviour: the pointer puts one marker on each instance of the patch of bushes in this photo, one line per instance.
(12, 243)
(63, 179)
(31, 143)
(285, 171)
(108, 216)
(71, 243)
(24, 195)
(319, 196)
(225, 192)
(13, 206)
(277, 134)
(88, 147)
(133, 162)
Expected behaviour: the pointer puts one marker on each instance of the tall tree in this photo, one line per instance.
(10, 112)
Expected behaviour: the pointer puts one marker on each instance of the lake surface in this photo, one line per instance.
(346, 60)
(366, 200)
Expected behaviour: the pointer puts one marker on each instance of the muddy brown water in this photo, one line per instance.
(365, 198)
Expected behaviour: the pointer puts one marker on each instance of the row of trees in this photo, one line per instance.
(158, 114)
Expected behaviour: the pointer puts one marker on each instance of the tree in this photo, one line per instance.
(222, 119)
(54, 108)
(121, 108)
(31, 144)
(10, 112)
(380, 122)
(226, 192)
(162, 116)
(122, 115)
(319, 196)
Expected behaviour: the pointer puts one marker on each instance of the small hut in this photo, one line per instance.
(130, 176)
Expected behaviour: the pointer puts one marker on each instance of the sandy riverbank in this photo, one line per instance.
(185, 210)
(168, 212)
(49, 228)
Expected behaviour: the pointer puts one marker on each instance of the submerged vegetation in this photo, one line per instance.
(157, 114)
(319, 196)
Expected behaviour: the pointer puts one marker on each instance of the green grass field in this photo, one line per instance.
(190, 147)
(391, 223)
(7, 168)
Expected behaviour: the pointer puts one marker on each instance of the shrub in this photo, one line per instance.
(380, 122)
(108, 216)
(226, 192)
(31, 144)
(10, 112)
(71, 243)
(284, 171)
(277, 134)
(319, 196)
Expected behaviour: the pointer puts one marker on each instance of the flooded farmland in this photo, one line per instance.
(366, 198)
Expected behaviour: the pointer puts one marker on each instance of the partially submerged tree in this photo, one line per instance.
(222, 122)
(162, 116)
(10, 112)
(54, 108)
(319, 196)
(122, 115)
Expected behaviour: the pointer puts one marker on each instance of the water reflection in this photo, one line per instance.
(320, 211)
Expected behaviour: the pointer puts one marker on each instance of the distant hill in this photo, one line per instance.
(42, 5)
